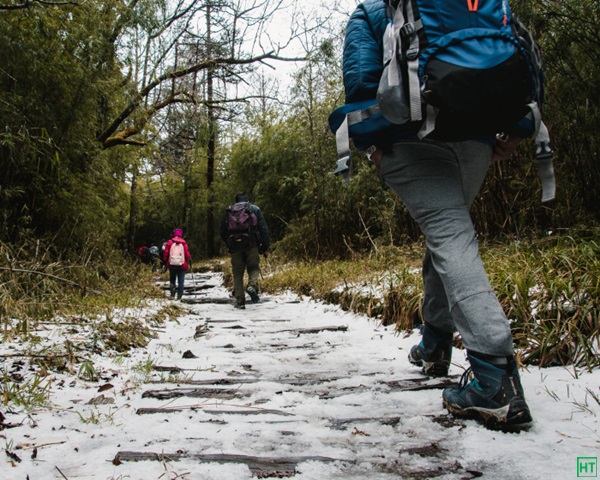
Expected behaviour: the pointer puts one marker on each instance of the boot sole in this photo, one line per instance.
(514, 417)
(430, 369)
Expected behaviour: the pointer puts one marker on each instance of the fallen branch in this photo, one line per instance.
(32, 355)
(30, 447)
(63, 475)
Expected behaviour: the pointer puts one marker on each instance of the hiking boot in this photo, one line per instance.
(494, 395)
(433, 353)
(240, 306)
(253, 294)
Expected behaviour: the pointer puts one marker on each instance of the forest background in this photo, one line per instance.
(124, 119)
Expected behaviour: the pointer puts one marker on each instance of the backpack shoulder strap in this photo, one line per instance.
(405, 37)
(410, 31)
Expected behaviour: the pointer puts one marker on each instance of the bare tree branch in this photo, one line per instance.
(29, 3)
(109, 138)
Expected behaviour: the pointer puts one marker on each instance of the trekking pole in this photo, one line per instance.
(269, 265)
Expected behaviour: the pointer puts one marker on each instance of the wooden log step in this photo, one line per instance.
(221, 393)
(253, 411)
(217, 300)
(344, 422)
(218, 381)
(197, 288)
(164, 410)
(215, 411)
(332, 328)
(422, 383)
(446, 420)
(191, 287)
(175, 369)
(261, 467)
(245, 380)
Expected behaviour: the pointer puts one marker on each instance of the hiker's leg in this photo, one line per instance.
(437, 182)
(238, 266)
(252, 264)
(436, 309)
(172, 281)
(180, 283)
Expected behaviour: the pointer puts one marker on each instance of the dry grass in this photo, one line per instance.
(549, 289)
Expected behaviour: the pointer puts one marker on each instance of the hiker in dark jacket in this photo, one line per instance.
(177, 266)
(438, 178)
(245, 248)
(144, 255)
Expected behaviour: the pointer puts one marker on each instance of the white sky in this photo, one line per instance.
(336, 13)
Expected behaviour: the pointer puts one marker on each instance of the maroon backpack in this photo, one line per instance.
(241, 224)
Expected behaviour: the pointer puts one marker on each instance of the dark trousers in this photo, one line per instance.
(176, 281)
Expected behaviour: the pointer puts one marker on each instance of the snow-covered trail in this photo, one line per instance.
(289, 387)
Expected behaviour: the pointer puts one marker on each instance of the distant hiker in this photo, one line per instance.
(155, 257)
(435, 157)
(177, 257)
(144, 255)
(161, 254)
(246, 234)
(153, 250)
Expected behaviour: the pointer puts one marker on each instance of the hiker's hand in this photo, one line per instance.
(375, 157)
(505, 146)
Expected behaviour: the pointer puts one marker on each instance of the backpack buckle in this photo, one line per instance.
(343, 166)
(408, 29)
(412, 53)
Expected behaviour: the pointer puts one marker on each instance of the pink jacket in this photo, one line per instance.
(188, 257)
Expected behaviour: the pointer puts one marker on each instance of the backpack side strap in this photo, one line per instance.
(543, 154)
(342, 139)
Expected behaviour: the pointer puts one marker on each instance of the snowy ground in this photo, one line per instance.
(329, 405)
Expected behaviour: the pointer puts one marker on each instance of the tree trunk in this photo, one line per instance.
(132, 212)
(210, 154)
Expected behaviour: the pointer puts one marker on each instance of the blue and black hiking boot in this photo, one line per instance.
(433, 353)
(253, 294)
(494, 395)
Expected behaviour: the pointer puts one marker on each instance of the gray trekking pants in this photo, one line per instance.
(438, 183)
(240, 262)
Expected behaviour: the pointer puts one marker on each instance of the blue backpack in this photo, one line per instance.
(469, 61)
(458, 58)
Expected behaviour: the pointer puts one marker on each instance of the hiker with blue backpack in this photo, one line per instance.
(246, 234)
(177, 258)
(436, 91)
